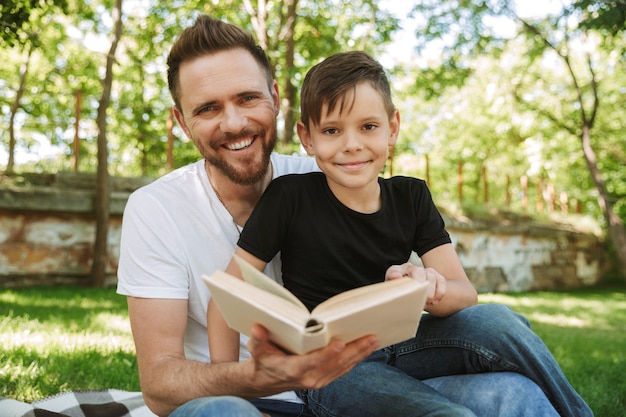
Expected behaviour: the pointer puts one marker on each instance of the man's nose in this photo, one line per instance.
(233, 119)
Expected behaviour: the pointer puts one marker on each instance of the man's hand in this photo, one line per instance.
(275, 368)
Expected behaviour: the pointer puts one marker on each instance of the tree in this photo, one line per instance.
(100, 258)
(16, 18)
(23, 29)
(555, 37)
(297, 34)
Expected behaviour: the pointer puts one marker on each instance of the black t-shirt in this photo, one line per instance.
(327, 248)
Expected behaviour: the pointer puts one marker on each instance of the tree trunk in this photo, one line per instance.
(100, 256)
(615, 226)
(15, 107)
(170, 139)
(289, 90)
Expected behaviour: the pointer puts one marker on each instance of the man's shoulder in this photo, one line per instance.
(292, 164)
(173, 178)
(171, 186)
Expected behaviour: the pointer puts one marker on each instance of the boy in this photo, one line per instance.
(345, 227)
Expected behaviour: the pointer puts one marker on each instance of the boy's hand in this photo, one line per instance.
(436, 281)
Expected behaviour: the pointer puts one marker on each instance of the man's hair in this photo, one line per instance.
(206, 37)
(330, 81)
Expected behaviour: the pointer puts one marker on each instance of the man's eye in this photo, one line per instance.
(206, 109)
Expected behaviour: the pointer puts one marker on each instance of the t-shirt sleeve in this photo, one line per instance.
(151, 263)
(431, 226)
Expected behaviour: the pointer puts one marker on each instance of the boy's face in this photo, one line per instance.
(351, 148)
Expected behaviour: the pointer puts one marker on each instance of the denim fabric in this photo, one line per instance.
(216, 407)
(482, 338)
(497, 394)
(277, 408)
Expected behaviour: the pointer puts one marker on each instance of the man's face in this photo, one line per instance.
(229, 112)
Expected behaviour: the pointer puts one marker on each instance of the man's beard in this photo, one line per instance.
(253, 173)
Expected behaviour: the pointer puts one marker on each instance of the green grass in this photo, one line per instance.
(586, 332)
(59, 339)
(62, 339)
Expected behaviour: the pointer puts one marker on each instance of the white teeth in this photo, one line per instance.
(239, 145)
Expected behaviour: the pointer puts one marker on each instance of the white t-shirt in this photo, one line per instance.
(175, 230)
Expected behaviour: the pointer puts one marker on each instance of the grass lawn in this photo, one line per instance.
(60, 339)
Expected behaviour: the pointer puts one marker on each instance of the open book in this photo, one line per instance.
(391, 310)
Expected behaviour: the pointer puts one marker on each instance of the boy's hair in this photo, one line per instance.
(330, 81)
(208, 36)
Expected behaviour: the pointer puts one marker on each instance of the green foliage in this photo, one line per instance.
(605, 16)
(17, 20)
(471, 92)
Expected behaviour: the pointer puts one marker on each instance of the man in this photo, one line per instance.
(187, 223)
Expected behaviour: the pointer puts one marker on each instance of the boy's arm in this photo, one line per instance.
(450, 290)
(459, 292)
(224, 341)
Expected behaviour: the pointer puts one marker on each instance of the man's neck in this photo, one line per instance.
(238, 199)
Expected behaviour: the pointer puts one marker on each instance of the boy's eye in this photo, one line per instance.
(331, 131)
(369, 126)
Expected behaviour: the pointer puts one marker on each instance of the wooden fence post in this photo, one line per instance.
(459, 181)
(524, 184)
(76, 144)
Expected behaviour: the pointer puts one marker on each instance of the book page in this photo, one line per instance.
(361, 294)
(391, 312)
(244, 305)
(257, 278)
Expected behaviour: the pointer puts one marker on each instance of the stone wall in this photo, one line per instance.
(523, 255)
(47, 230)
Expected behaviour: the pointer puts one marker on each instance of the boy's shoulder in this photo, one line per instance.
(404, 180)
(299, 179)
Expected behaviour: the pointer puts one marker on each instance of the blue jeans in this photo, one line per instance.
(482, 338)
(217, 407)
(494, 394)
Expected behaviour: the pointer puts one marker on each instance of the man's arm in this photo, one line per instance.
(169, 380)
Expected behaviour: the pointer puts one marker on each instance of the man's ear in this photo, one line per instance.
(394, 127)
(275, 97)
(181, 121)
(305, 138)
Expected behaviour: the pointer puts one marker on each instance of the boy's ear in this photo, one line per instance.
(394, 126)
(305, 138)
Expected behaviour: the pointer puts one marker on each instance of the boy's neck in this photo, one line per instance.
(366, 199)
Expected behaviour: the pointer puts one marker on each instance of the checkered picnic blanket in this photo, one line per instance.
(107, 403)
